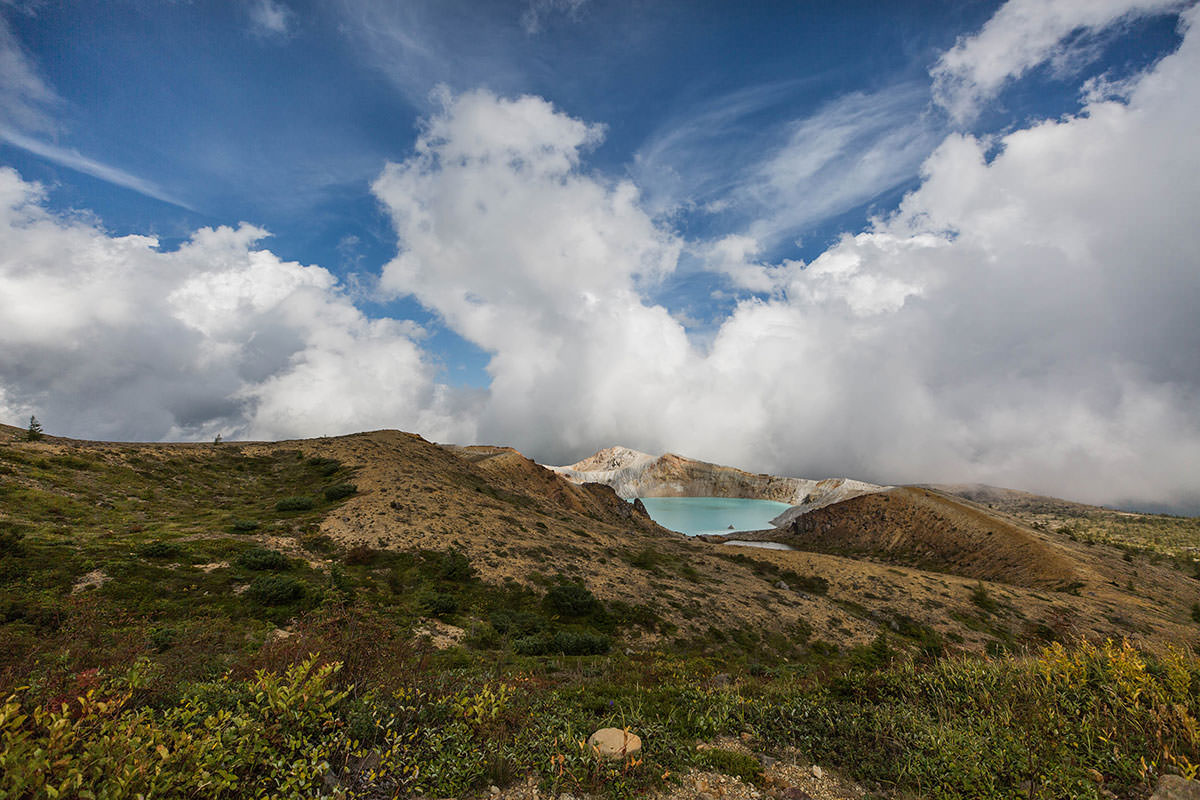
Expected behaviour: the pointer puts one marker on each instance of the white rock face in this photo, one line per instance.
(635, 474)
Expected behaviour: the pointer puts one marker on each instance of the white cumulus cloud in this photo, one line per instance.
(1025, 318)
(1019, 37)
(107, 337)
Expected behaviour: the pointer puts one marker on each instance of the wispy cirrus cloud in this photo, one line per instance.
(25, 97)
(421, 45)
(27, 111)
(73, 159)
(764, 180)
(271, 19)
(534, 16)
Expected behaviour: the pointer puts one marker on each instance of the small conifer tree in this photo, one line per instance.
(34, 432)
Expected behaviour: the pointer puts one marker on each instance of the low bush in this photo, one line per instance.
(981, 597)
(261, 558)
(440, 604)
(12, 539)
(324, 466)
(731, 762)
(455, 567)
(318, 543)
(647, 558)
(243, 525)
(161, 639)
(812, 584)
(339, 491)
(567, 643)
(296, 503)
(361, 555)
(571, 600)
(160, 549)
(518, 623)
(275, 590)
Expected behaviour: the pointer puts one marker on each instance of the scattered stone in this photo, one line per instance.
(493, 789)
(817, 772)
(615, 743)
(278, 634)
(792, 793)
(93, 580)
(1174, 787)
(440, 634)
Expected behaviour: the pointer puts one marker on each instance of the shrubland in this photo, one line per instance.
(221, 641)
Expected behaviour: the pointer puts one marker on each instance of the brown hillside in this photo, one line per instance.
(920, 528)
(517, 521)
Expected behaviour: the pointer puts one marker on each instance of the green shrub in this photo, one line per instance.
(297, 503)
(161, 639)
(361, 555)
(455, 567)
(571, 600)
(812, 584)
(276, 590)
(339, 491)
(325, 466)
(568, 643)
(519, 623)
(982, 598)
(72, 462)
(440, 604)
(625, 614)
(647, 558)
(160, 549)
(318, 543)
(731, 762)
(260, 558)
(243, 525)
(12, 539)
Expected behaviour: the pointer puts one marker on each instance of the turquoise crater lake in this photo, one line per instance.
(696, 515)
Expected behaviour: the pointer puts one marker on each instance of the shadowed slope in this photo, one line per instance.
(920, 528)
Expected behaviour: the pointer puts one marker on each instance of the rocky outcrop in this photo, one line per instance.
(635, 474)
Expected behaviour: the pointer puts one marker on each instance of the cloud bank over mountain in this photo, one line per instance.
(1025, 317)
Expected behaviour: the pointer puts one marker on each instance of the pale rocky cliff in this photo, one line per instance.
(635, 474)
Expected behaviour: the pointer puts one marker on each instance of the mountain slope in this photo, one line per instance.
(920, 528)
(85, 507)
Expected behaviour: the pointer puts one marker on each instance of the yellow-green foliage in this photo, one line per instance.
(276, 741)
(977, 728)
(277, 735)
(1043, 726)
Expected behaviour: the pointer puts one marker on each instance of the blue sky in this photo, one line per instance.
(743, 144)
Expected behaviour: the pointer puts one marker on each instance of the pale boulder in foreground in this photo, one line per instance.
(615, 743)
